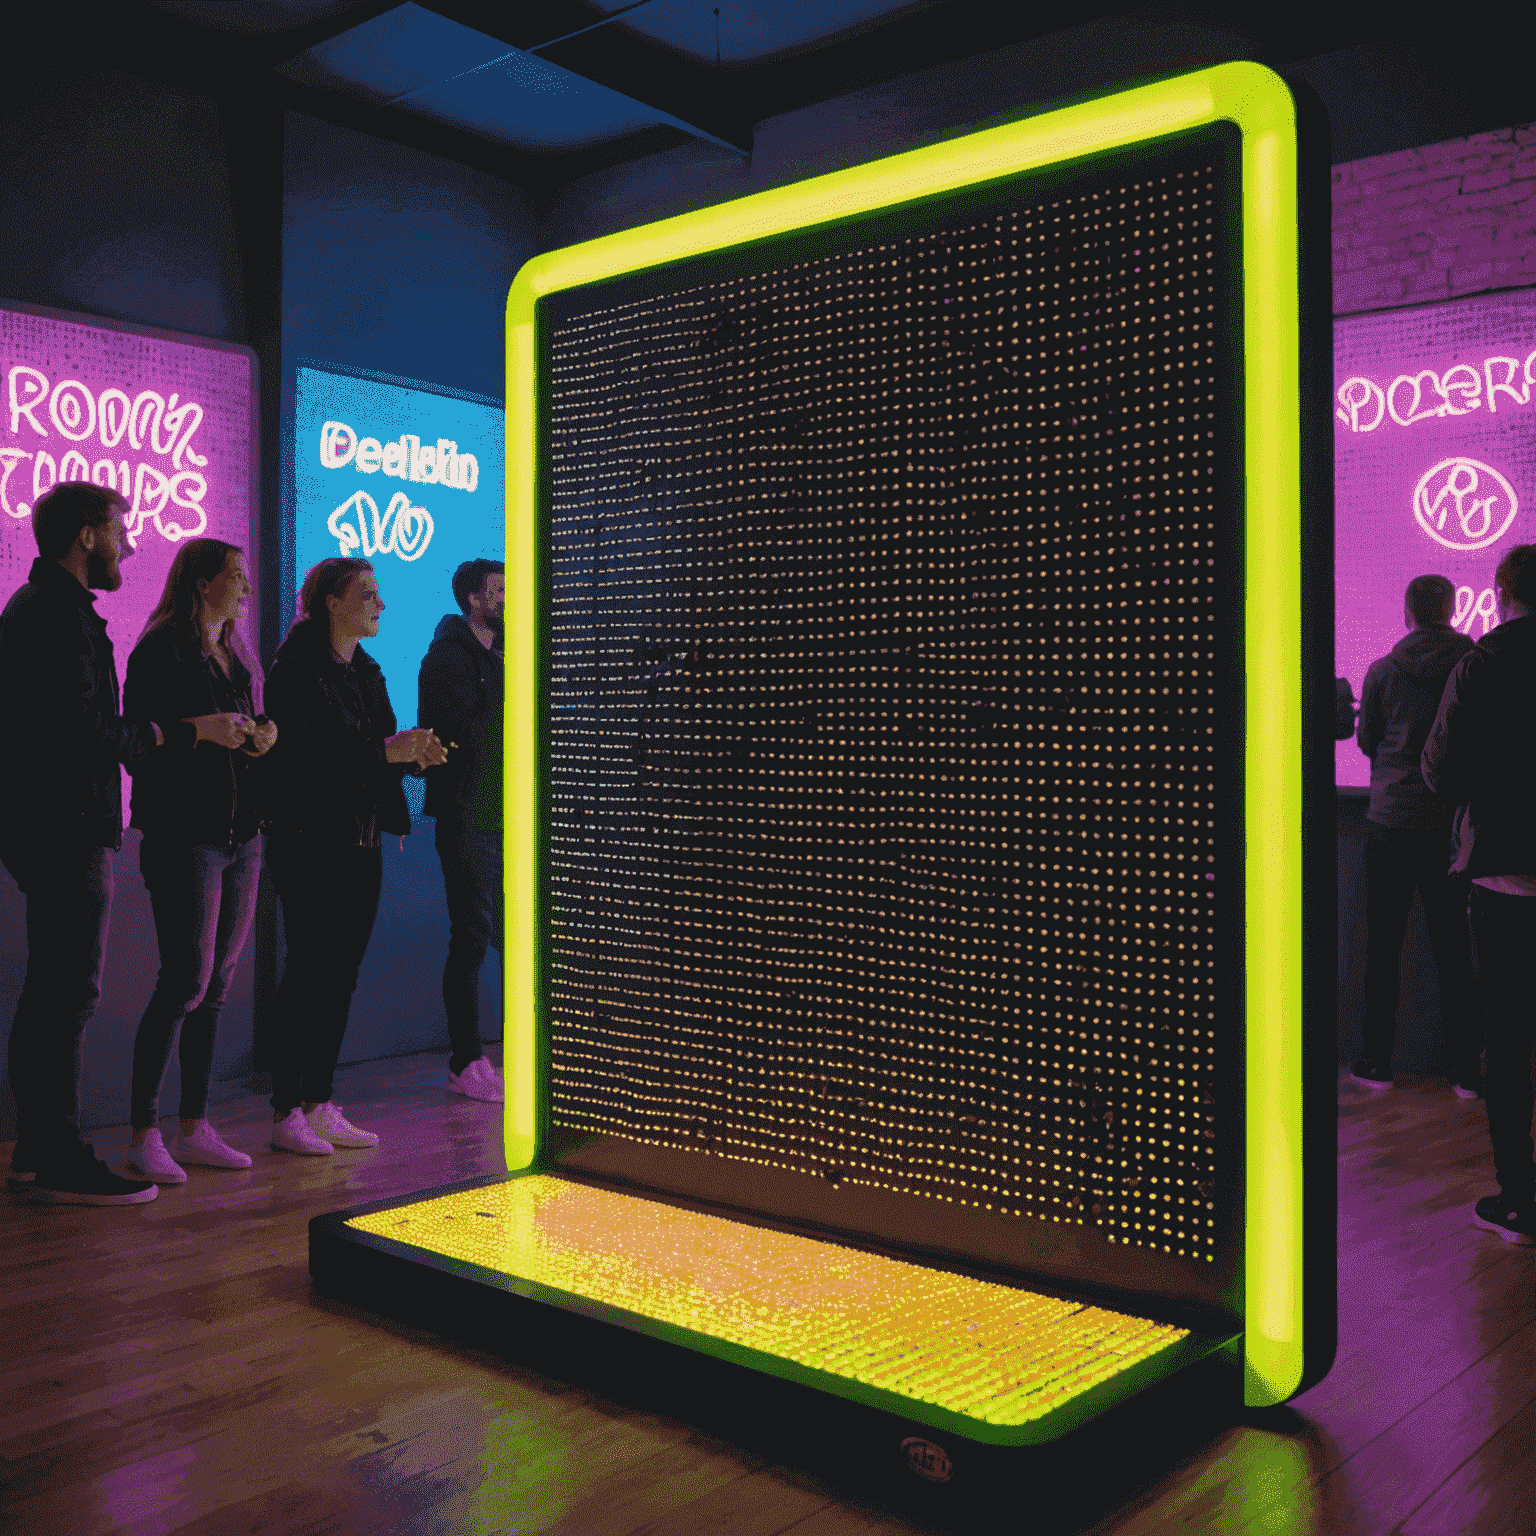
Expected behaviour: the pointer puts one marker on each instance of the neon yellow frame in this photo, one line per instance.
(1258, 103)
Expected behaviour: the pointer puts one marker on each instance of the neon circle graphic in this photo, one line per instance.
(1447, 506)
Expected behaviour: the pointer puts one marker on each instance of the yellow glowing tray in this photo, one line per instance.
(926, 1342)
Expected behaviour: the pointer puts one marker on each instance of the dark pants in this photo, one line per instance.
(330, 898)
(472, 879)
(1505, 930)
(1398, 860)
(69, 904)
(203, 897)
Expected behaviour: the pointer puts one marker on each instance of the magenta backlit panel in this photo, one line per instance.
(1435, 436)
(168, 420)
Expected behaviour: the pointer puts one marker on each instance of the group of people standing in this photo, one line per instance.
(315, 760)
(1450, 729)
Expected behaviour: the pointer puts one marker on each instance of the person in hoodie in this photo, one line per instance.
(1407, 840)
(459, 697)
(1480, 757)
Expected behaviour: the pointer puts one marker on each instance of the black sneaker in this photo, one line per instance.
(88, 1181)
(1371, 1074)
(1513, 1222)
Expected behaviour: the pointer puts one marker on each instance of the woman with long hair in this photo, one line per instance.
(335, 785)
(196, 804)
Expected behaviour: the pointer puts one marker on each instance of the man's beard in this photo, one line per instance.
(494, 624)
(101, 574)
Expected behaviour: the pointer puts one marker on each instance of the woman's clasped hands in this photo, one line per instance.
(236, 731)
(419, 746)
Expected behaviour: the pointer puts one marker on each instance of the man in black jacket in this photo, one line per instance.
(63, 823)
(460, 696)
(1481, 757)
(1406, 838)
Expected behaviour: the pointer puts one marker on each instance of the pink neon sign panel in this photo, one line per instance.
(1435, 468)
(167, 419)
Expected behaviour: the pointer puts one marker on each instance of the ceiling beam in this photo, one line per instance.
(143, 40)
(165, 47)
(246, 50)
(634, 66)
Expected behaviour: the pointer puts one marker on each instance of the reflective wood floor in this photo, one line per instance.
(166, 1368)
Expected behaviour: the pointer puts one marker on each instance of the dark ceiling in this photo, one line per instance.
(539, 92)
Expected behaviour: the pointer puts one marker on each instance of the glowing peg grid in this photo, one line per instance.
(990, 1352)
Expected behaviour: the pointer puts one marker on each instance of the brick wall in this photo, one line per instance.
(1436, 222)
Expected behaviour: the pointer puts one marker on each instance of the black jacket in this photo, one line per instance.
(459, 690)
(58, 684)
(1397, 707)
(1481, 753)
(194, 792)
(326, 777)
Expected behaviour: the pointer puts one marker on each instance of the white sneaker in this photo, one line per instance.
(328, 1121)
(479, 1080)
(206, 1148)
(151, 1161)
(294, 1134)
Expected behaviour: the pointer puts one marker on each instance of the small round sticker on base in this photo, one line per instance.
(929, 1461)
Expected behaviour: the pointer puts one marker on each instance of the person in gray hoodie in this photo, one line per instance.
(1407, 845)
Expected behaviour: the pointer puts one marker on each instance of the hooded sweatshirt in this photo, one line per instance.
(459, 696)
(1480, 755)
(1398, 704)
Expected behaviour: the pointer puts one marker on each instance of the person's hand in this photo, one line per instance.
(224, 730)
(419, 746)
(263, 734)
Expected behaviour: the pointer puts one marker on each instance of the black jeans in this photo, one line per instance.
(203, 897)
(330, 898)
(69, 905)
(1396, 861)
(1505, 930)
(472, 879)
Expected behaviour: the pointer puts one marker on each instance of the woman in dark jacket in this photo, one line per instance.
(335, 789)
(196, 806)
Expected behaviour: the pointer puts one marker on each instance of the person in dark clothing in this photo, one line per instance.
(201, 858)
(1407, 841)
(1480, 757)
(59, 675)
(460, 697)
(333, 787)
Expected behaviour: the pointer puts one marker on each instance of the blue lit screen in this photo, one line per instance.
(407, 478)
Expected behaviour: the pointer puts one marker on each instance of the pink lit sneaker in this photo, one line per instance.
(328, 1121)
(293, 1134)
(479, 1080)
(151, 1161)
(207, 1149)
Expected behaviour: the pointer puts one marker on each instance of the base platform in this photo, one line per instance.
(993, 1363)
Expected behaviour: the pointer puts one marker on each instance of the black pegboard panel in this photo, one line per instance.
(895, 711)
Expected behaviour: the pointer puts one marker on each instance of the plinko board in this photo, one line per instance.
(918, 699)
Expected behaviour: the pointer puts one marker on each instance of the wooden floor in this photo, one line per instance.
(166, 1368)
